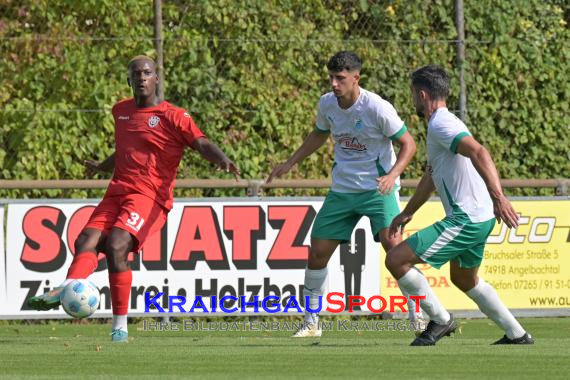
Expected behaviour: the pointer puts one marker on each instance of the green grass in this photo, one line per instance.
(64, 350)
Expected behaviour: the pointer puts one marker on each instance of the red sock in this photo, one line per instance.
(83, 265)
(120, 284)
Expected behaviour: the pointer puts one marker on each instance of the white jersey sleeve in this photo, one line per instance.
(323, 124)
(449, 134)
(390, 123)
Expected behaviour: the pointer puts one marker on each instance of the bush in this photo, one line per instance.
(252, 76)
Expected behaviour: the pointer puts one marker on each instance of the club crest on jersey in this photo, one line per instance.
(153, 121)
(358, 124)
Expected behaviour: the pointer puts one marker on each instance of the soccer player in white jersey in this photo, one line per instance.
(365, 173)
(463, 173)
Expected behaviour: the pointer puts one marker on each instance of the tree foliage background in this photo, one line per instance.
(251, 77)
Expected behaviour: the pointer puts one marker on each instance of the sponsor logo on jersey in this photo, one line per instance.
(351, 143)
(153, 121)
(123, 118)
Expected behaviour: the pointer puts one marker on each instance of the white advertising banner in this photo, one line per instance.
(207, 248)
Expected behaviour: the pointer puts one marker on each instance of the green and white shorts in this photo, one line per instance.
(342, 211)
(453, 238)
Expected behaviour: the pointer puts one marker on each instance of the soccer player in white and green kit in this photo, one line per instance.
(463, 173)
(365, 172)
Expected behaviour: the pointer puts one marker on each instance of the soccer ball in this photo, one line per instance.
(80, 298)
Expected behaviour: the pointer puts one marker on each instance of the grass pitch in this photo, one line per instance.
(65, 350)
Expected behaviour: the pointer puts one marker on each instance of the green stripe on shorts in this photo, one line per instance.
(453, 238)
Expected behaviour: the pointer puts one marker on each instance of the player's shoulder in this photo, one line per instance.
(373, 100)
(174, 112)
(327, 100)
(443, 116)
(124, 103)
(444, 119)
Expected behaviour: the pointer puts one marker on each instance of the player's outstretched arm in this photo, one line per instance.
(313, 142)
(483, 163)
(93, 167)
(424, 190)
(407, 151)
(212, 153)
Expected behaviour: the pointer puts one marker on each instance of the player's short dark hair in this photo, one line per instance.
(433, 79)
(344, 60)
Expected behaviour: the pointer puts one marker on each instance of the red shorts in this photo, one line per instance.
(137, 214)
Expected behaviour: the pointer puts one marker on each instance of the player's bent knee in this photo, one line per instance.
(389, 243)
(117, 261)
(119, 242)
(387, 261)
(400, 259)
(317, 260)
(117, 247)
(463, 283)
(117, 252)
(85, 242)
(316, 263)
(391, 261)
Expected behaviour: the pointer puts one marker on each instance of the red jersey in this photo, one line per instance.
(149, 144)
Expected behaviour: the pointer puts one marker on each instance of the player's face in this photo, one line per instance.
(343, 82)
(417, 100)
(143, 78)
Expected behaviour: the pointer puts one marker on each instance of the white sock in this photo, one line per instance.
(120, 322)
(489, 303)
(415, 284)
(315, 286)
(413, 316)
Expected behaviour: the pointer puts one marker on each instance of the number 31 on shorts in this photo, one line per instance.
(135, 221)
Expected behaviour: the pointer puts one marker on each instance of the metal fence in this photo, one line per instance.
(211, 52)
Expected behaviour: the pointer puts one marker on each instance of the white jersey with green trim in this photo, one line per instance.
(363, 137)
(460, 187)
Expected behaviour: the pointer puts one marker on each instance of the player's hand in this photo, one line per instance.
(397, 225)
(504, 211)
(386, 184)
(279, 171)
(92, 167)
(229, 167)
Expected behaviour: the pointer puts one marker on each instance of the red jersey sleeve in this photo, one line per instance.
(186, 127)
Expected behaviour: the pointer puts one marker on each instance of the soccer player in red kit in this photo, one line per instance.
(150, 138)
